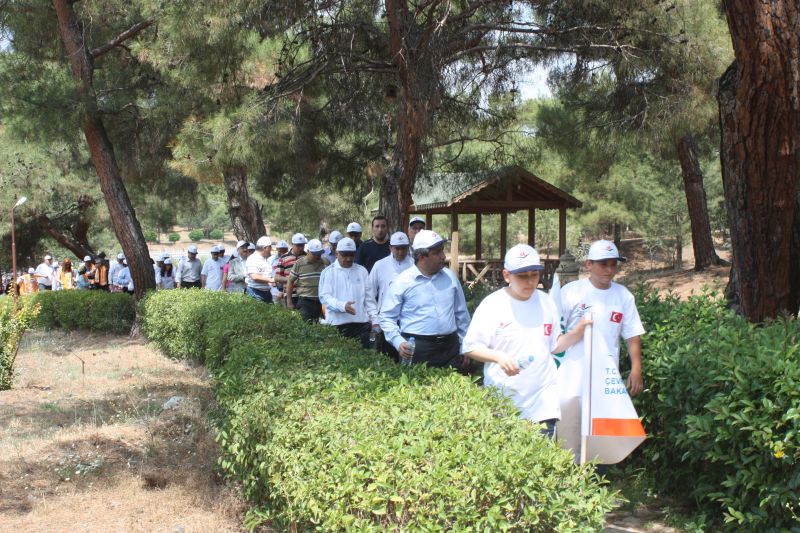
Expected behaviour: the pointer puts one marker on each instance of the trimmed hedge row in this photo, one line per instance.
(90, 310)
(12, 326)
(326, 436)
(723, 409)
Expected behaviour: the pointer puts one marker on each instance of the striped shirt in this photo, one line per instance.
(305, 277)
(285, 264)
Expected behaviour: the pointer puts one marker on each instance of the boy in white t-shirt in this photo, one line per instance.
(614, 314)
(518, 325)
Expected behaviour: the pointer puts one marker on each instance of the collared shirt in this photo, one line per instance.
(385, 272)
(338, 285)
(44, 275)
(188, 271)
(329, 254)
(113, 269)
(258, 264)
(305, 277)
(285, 264)
(424, 306)
(124, 277)
(237, 271)
(212, 270)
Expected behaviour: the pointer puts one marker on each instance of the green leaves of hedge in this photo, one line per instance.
(723, 409)
(89, 310)
(12, 326)
(326, 436)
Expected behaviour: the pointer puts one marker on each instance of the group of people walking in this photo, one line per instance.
(92, 273)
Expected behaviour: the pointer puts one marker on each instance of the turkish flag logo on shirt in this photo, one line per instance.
(616, 317)
(548, 329)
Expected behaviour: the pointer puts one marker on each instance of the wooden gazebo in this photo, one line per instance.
(500, 191)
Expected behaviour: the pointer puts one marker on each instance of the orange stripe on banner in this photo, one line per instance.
(617, 427)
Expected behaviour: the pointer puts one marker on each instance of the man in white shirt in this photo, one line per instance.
(383, 273)
(259, 271)
(346, 293)
(115, 267)
(237, 269)
(614, 316)
(514, 332)
(187, 275)
(211, 274)
(44, 274)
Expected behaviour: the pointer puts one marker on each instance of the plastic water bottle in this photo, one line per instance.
(524, 361)
(373, 333)
(411, 345)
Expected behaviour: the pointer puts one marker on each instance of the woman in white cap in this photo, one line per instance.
(166, 275)
(302, 291)
(514, 332)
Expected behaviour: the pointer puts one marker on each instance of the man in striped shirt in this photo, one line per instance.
(304, 282)
(286, 262)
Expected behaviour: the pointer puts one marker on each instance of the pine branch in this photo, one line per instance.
(131, 32)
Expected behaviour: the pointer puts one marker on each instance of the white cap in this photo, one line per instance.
(120, 256)
(31, 270)
(251, 246)
(601, 250)
(315, 246)
(167, 261)
(192, 249)
(163, 255)
(87, 258)
(282, 244)
(221, 248)
(414, 220)
(398, 239)
(427, 239)
(522, 258)
(215, 249)
(299, 238)
(335, 236)
(239, 244)
(263, 242)
(48, 256)
(346, 245)
(354, 227)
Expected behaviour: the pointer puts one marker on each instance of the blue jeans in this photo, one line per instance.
(258, 294)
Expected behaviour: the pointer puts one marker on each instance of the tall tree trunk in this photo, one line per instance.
(759, 99)
(704, 253)
(245, 213)
(123, 217)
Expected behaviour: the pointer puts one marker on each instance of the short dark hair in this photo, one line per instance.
(379, 217)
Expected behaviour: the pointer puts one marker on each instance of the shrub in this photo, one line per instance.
(91, 310)
(150, 235)
(174, 237)
(324, 435)
(722, 408)
(12, 326)
(196, 234)
(216, 234)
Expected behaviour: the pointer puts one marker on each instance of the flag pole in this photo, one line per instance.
(586, 396)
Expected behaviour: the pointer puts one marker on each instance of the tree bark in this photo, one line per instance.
(704, 253)
(123, 217)
(79, 249)
(759, 98)
(245, 213)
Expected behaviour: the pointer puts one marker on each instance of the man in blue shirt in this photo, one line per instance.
(427, 302)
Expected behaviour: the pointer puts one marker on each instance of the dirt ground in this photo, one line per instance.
(86, 444)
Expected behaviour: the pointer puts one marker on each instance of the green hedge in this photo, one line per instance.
(326, 436)
(723, 408)
(92, 310)
(12, 326)
(196, 234)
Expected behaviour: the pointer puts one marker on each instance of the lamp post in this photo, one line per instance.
(14, 252)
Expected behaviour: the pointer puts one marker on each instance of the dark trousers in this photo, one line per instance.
(437, 350)
(45, 287)
(190, 284)
(310, 308)
(385, 347)
(356, 330)
(258, 294)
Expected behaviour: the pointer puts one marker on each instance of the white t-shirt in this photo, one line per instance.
(257, 264)
(212, 270)
(44, 274)
(520, 328)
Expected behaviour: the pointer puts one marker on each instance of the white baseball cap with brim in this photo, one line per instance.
(121, 256)
(354, 227)
(251, 246)
(192, 249)
(414, 220)
(48, 256)
(428, 239)
(522, 258)
(346, 245)
(263, 242)
(315, 246)
(335, 236)
(241, 244)
(602, 250)
(87, 258)
(31, 270)
(215, 249)
(398, 238)
(167, 261)
(282, 245)
(299, 238)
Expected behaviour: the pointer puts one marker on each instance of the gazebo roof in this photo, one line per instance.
(505, 189)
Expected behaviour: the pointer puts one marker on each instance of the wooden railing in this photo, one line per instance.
(472, 271)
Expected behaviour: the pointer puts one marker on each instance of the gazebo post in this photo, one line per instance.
(428, 220)
(478, 224)
(454, 238)
(503, 233)
(562, 231)
(532, 227)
